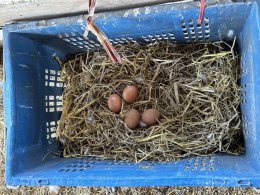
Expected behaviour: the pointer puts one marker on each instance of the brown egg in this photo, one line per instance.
(132, 118)
(150, 116)
(114, 103)
(130, 94)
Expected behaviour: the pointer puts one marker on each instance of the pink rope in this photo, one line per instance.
(202, 8)
(102, 38)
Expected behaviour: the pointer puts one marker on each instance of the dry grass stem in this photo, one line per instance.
(195, 88)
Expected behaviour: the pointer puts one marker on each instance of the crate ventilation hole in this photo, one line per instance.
(52, 78)
(192, 32)
(192, 164)
(200, 164)
(53, 103)
(51, 129)
(77, 166)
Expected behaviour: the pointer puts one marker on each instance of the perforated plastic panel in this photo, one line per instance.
(192, 33)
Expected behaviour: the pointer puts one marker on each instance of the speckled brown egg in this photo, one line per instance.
(132, 118)
(114, 103)
(130, 94)
(150, 116)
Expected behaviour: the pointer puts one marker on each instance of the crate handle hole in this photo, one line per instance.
(244, 182)
(43, 181)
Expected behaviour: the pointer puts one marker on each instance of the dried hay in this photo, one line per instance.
(195, 88)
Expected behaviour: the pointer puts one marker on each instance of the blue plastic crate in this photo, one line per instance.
(32, 95)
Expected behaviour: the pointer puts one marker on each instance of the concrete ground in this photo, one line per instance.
(102, 191)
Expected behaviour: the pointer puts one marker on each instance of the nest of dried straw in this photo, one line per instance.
(195, 88)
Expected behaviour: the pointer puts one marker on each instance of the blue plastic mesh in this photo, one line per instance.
(32, 95)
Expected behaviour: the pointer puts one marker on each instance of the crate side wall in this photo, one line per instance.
(27, 116)
(250, 82)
